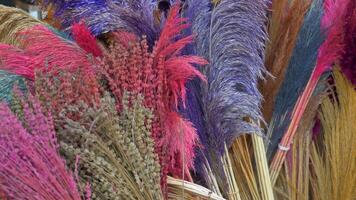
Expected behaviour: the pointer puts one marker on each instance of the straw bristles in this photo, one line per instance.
(12, 21)
(299, 158)
(242, 162)
(333, 159)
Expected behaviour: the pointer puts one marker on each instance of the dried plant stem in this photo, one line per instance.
(262, 168)
(234, 193)
(241, 155)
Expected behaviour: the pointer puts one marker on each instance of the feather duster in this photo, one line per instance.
(198, 13)
(235, 67)
(30, 166)
(300, 67)
(12, 21)
(102, 16)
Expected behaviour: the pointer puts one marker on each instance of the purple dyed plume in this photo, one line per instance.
(102, 16)
(30, 167)
(232, 37)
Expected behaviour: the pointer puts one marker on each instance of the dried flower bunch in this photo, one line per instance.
(159, 76)
(116, 151)
(58, 89)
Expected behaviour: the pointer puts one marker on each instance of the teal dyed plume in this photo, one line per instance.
(7, 83)
(299, 70)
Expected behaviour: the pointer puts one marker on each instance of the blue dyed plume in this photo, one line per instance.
(300, 67)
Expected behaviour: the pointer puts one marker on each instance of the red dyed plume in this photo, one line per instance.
(81, 34)
(42, 49)
(348, 60)
(124, 38)
(333, 22)
(179, 69)
(15, 60)
(46, 51)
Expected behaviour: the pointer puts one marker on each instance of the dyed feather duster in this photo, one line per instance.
(85, 39)
(231, 95)
(300, 67)
(30, 166)
(329, 53)
(285, 23)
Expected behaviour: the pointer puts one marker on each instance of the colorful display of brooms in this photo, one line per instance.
(194, 99)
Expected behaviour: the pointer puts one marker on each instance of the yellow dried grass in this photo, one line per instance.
(12, 21)
(333, 174)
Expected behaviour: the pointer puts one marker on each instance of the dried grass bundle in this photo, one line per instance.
(13, 21)
(116, 151)
(333, 174)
